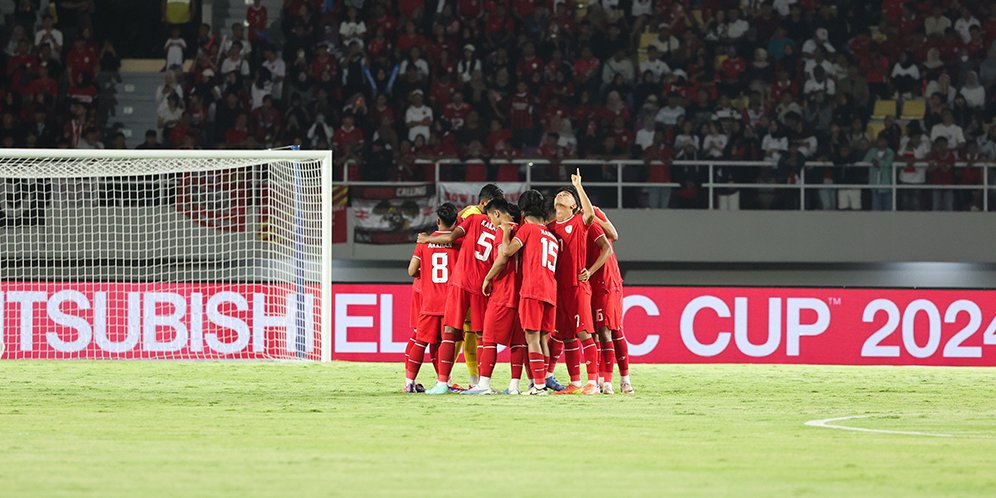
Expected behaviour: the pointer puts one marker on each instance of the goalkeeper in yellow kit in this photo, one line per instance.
(488, 193)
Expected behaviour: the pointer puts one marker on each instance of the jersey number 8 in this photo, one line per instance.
(440, 268)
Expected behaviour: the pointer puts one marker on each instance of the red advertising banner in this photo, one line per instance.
(370, 323)
(157, 321)
(738, 325)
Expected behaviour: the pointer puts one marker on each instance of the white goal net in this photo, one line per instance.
(165, 254)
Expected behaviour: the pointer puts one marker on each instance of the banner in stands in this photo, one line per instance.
(464, 194)
(737, 325)
(392, 215)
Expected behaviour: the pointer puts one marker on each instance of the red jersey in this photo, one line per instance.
(572, 234)
(521, 111)
(435, 274)
(475, 254)
(540, 250)
(505, 286)
(608, 276)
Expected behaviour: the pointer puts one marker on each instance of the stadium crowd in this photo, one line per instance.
(386, 83)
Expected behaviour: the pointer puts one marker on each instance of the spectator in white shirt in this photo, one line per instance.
(669, 114)
(911, 150)
(948, 129)
(819, 83)
(48, 34)
(687, 137)
(352, 28)
(418, 117)
(943, 86)
(238, 36)
(665, 42)
(235, 62)
(974, 93)
(645, 136)
(774, 144)
(736, 27)
(963, 26)
(415, 59)
(174, 48)
(714, 143)
(819, 41)
(278, 71)
(618, 64)
(906, 75)
(654, 64)
(936, 24)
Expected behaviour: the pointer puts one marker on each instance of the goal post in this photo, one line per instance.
(166, 254)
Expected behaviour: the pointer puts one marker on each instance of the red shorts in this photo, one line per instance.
(458, 301)
(416, 310)
(606, 306)
(500, 323)
(537, 315)
(429, 329)
(574, 313)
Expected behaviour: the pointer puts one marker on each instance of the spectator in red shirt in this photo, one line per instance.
(81, 58)
(456, 112)
(521, 114)
(256, 17)
(940, 171)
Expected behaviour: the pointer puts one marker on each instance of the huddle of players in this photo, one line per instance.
(541, 283)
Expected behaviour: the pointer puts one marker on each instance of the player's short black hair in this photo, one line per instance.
(496, 205)
(515, 213)
(490, 192)
(574, 192)
(447, 213)
(533, 203)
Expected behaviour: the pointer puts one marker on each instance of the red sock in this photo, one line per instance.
(622, 351)
(434, 356)
(486, 359)
(538, 369)
(590, 358)
(446, 351)
(556, 348)
(518, 358)
(480, 350)
(598, 353)
(414, 363)
(411, 342)
(608, 360)
(572, 356)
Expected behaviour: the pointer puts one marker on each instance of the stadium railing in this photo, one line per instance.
(528, 167)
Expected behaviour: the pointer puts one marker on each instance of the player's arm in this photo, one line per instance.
(587, 210)
(511, 246)
(443, 238)
(497, 267)
(414, 265)
(605, 250)
(606, 224)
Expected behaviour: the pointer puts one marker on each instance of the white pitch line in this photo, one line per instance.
(827, 423)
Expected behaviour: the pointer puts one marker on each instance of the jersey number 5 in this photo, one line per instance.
(484, 242)
(440, 268)
(549, 254)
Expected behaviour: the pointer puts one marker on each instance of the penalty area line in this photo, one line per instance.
(828, 423)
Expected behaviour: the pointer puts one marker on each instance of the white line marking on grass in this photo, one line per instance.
(827, 423)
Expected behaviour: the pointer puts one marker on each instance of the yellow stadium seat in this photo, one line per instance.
(914, 109)
(884, 108)
(645, 39)
(875, 127)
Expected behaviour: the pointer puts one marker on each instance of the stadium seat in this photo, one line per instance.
(476, 171)
(914, 109)
(884, 108)
(875, 127)
(508, 173)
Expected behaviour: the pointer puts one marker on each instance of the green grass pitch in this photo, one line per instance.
(107, 429)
